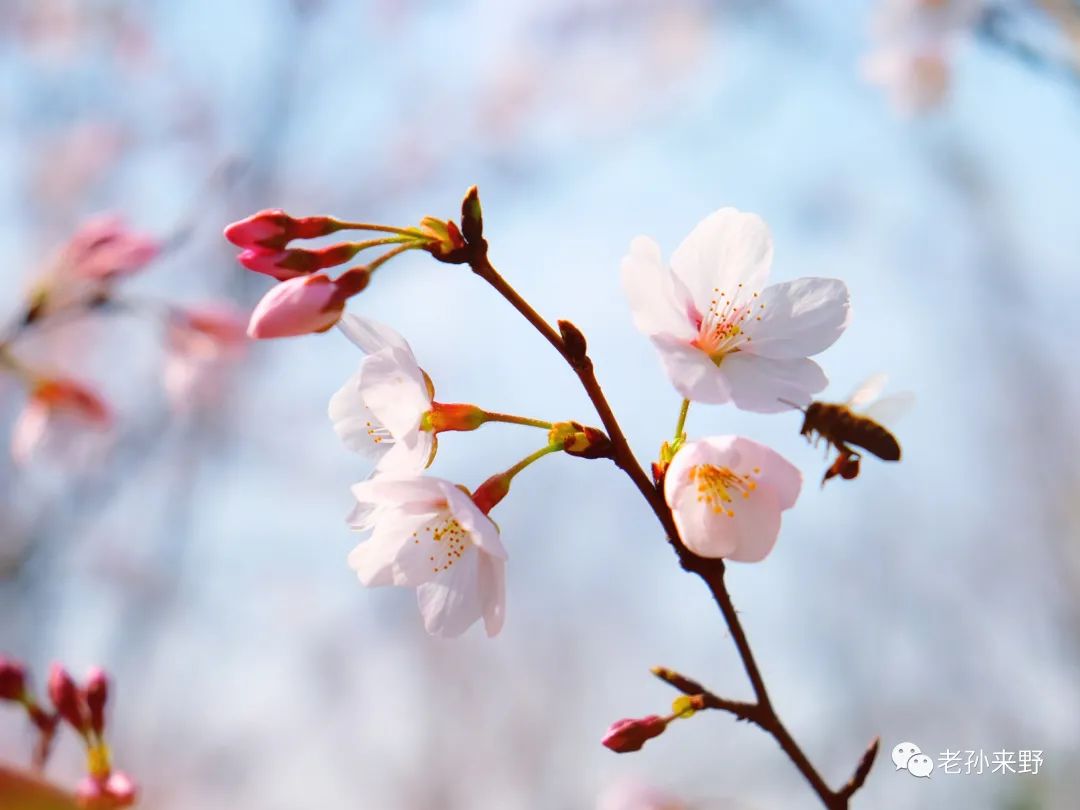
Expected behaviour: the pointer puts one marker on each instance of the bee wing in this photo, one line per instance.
(868, 391)
(888, 410)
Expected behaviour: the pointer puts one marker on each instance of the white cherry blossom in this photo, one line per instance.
(427, 534)
(722, 334)
(727, 493)
(380, 410)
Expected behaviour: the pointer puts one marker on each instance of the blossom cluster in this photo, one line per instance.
(914, 41)
(82, 709)
(67, 415)
(723, 333)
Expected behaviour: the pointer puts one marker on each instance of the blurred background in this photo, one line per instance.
(200, 556)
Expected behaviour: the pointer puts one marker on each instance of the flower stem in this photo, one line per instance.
(386, 240)
(509, 418)
(680, 426)
(414, 233)
(529, 459)
(493, 490)
(410, 245)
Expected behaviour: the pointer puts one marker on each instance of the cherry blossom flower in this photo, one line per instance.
(722, 334)
(57, 410)
(380, 411)
(427, 534)
(201, 344)
(726, 494)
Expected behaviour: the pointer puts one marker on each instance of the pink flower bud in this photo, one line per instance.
(66, 698)
(286, 264)
(298, 306)
(273, 229)
(12, 679)
(631, 734)
(96, 692)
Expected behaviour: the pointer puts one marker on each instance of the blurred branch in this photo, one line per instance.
(998, 27)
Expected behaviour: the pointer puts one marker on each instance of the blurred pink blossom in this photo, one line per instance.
(916, 80)
(58, 412)
(104, 248)
(913, 42)
(202, 344)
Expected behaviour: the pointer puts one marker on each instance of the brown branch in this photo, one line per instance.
(862, 771)
(571, 344)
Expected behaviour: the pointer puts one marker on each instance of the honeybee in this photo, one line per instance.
(841, 427)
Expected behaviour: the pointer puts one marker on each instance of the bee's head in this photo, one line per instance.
(807, 420)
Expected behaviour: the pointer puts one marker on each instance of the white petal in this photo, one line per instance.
(355, 424)
(393, 388)
(484, 533)
(451, 603)
(659, 302)
(408, 455)
(493, 593)
(760, 383)
(403, 492)
(691, 371)
(384, 559)
(371, 336)
(725, 249)
(798, 318)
